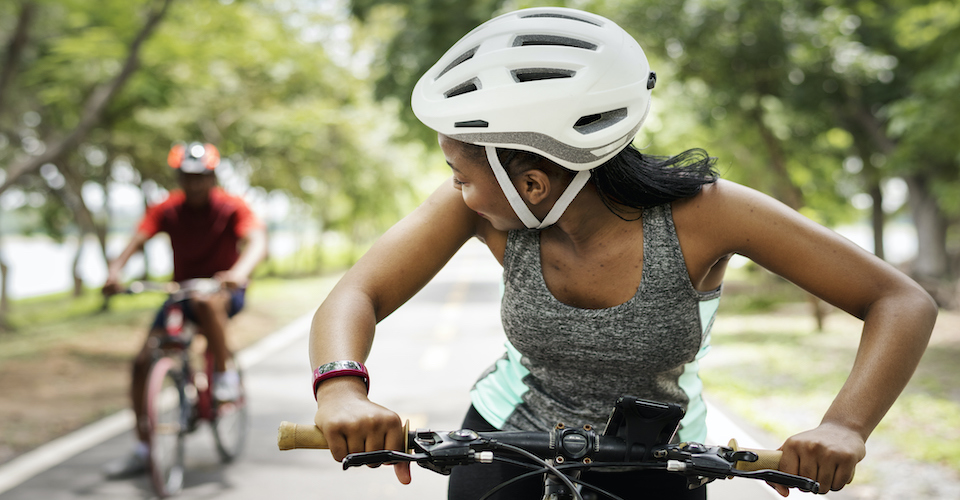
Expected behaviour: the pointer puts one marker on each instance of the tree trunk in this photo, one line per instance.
(932, 266)
(93, 108)
(72, 196)
(4, 301)
(4, 296)
(4, 291)
(869, 138)
(877, 219)
(77, 279)
(785, 190)
(11, 59)
(146, 257)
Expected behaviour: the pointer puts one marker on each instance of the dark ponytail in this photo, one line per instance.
(636, 180)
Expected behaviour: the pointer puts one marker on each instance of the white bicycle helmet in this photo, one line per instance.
(566, 84)
(194, 158)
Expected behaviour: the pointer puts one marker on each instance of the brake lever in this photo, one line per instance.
(695, 459)
(380, 457)
(775, 476)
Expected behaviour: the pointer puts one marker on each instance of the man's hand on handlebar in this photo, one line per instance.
(111, 286)
(828, 454)
(351, 423)
(231, 279)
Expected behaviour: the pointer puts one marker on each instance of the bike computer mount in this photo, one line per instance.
(643, 425)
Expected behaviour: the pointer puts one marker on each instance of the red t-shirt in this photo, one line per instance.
(204, 240)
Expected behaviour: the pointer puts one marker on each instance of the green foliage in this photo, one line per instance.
(424, 30)
(925, 122)
(306, 101)
(255, 78)
(783, 93)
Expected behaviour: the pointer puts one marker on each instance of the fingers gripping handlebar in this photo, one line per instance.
(292, 436)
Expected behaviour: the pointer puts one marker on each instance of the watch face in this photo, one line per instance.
(340, 365)
(338, 368)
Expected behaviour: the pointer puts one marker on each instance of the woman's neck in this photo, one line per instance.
(588, 221)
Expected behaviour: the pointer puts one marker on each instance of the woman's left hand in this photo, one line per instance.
(828, 454)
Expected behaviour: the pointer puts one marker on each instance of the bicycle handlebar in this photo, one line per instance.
(291, 436)
(440, 451)
(179, 290)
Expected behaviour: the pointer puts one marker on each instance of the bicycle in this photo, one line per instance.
(638, 436)
(177, 397)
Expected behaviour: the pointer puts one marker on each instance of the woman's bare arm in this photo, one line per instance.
(398, 265)
(898, 317)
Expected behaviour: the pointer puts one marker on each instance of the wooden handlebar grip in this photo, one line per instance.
(768, 459)
(292, 436)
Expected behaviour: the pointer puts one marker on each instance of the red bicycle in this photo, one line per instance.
(179, 397)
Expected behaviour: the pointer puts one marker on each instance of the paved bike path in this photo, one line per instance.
(426, 357)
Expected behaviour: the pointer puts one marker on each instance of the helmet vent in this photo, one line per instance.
(592, 123)
(472, 124)
(466, 56)
(537, 74)
(464, 88)
(563, 41)
(562, 16)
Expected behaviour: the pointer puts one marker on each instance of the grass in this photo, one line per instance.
(67, 362)
(778, 372)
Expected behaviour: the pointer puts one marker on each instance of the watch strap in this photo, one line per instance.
(344, 368)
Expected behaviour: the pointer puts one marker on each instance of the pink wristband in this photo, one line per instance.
(340, 369)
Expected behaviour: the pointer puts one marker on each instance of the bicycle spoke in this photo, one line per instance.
(164, 402)
(230, 426)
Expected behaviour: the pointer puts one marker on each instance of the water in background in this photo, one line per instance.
(39, 265)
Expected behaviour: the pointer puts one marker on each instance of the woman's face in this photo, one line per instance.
(474, 178)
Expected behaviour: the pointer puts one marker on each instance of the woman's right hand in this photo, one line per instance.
(351, 423)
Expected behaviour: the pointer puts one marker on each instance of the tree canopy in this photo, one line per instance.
(94, 94)
(816, 102)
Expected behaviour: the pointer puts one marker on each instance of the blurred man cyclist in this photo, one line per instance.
(213, 235)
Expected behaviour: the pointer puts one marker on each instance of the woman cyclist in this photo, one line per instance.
(613, 259)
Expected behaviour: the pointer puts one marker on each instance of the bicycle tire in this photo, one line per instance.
(230, 425)
(166, 406)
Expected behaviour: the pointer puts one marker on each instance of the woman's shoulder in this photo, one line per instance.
(727, 199)
(725, 216)
(712, 203)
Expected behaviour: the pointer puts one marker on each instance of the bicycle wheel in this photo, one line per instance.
(230, 425)
(166, 405)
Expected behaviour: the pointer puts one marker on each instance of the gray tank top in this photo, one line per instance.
(566, 364)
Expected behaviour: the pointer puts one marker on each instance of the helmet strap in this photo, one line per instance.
(520, 207)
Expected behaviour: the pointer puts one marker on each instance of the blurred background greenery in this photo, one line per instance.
(842, 109)
(846, 110)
